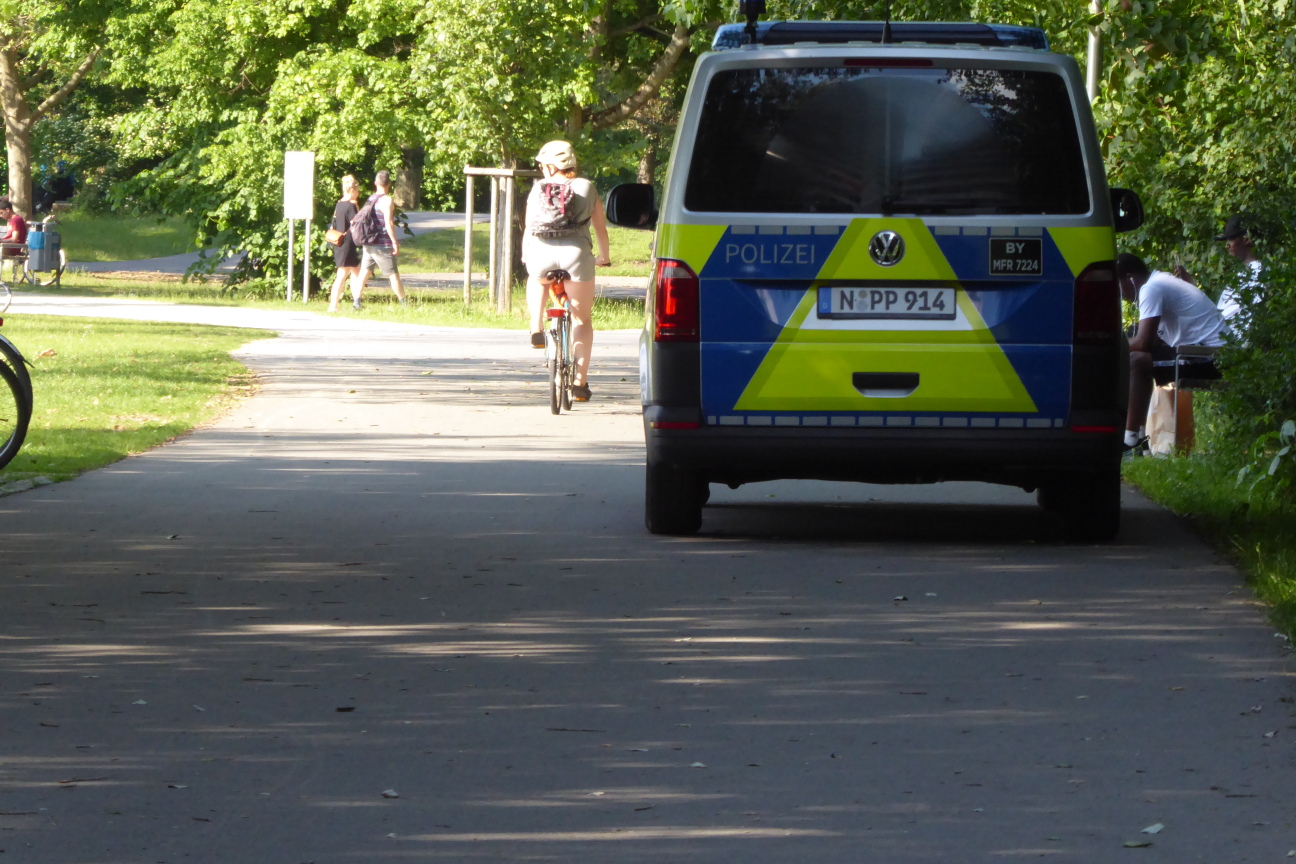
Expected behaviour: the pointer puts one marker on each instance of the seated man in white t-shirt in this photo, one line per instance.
(1171, 313)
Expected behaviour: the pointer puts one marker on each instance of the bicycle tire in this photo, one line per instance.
(568, 363)
(12, 358)
(15, 415)
(555, 399)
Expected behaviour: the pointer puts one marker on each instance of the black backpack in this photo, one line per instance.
(555, 216)
(367, 228)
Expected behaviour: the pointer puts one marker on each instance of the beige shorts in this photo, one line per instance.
(540, 255)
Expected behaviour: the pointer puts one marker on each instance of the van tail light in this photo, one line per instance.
(676, 308)
(1097, 305)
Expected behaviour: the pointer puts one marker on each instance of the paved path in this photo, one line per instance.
(394, 573)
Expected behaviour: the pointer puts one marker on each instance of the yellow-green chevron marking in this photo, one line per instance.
(692, 244)
(960, 366)
(1081, 247)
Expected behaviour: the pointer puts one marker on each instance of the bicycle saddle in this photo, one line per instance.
(555, 276)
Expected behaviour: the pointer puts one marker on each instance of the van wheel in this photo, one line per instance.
(1090, 504)
(673, 498)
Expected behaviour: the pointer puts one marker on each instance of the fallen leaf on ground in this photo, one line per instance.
(1154, 829)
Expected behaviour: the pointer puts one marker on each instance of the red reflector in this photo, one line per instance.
(555, 313)
(1094, 429)
(1097, 305)
(668, 424)
(888, 63)
(676, 308)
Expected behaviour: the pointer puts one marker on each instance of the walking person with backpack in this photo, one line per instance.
(559, 212)
(374, 230)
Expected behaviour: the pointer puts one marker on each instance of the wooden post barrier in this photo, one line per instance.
(499, 276)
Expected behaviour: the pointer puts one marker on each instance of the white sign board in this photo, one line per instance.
(299, 184)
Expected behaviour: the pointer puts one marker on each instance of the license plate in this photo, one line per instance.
(904, 303)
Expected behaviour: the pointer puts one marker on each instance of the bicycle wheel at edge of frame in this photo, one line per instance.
(11, 357)
(14, 429)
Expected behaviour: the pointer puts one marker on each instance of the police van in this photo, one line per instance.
(885, 254)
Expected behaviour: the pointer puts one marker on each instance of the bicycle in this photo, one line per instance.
(15, 395)
(559, 360)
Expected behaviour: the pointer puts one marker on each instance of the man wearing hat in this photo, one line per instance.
(1239, 243)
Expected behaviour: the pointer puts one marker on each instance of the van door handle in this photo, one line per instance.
(885, 385)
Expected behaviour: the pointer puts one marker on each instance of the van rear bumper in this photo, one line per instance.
(1025, 458)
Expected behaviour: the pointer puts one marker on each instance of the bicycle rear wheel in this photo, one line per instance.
(554, 368)
(568, 363)
(15, 414)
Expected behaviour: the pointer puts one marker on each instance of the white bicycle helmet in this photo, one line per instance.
(558, 154)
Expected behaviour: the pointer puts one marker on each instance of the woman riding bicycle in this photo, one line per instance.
(559, 212)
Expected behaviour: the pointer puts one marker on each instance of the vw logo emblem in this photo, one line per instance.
(886, 248)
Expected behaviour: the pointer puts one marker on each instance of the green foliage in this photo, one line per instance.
(1270, 471)
(1260, 363)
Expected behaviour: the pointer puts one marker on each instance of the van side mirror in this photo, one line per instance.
(631, 205)
(1127, 210)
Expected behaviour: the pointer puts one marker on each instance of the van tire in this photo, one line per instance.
(673, 498)
(1090, 504)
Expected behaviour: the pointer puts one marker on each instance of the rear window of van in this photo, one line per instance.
(886, 141)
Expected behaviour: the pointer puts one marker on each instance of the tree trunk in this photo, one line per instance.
(575, 121)
(409, 179)
(19, 117)
(648, 164)
(18, 150)
(18, 125)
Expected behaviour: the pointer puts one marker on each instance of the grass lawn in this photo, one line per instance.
(433, 307)
(442, 251)
(106, 389)
(97, 237)
(1257, 532)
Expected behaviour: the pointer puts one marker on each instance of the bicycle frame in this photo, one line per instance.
(558, 349)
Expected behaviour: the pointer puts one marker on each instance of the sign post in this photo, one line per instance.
(299, 203)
